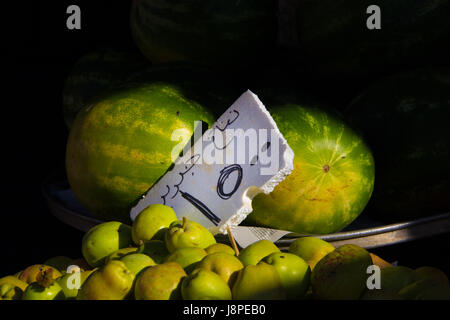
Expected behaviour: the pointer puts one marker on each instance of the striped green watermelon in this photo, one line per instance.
(213, 32)
(95, 72)
(335, 40)
(104, 70)
(121, 144)
(333, 175)
(405, 119)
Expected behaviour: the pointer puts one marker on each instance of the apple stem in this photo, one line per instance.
(184, 222)
(233, 242)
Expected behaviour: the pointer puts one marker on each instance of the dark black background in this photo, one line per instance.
(40, 52)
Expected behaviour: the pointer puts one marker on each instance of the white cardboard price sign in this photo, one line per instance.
(215, 179)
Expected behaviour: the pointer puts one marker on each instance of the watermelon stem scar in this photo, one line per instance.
(326, 168)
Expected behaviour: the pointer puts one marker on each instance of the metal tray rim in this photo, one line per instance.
(84, 222)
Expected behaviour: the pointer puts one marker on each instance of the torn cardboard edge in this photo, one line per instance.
(243, 234)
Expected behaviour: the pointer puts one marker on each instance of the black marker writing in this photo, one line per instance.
(201, 207)
(229, 121)
(195, 158)
(223, 147)
(165, 195)
(224, 174)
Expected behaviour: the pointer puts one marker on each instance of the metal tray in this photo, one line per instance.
(363, 231)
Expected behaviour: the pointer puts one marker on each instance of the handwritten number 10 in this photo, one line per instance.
(224, 174)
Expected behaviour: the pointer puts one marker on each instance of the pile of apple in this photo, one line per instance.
(162, 258)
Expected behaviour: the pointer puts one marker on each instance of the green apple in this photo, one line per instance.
(31, 273)
(35, 291)
(14, 281)
(113, 281)
(10, 292)
(254, 253)
(220, 247)
(119, 254)
(310, 249)
(136, 262)
(188, 257)
(224, 264)
(45, 288)
(294, 273)
(160, 282)
(187, 233)
(341, 274)
(72, 282)
(396, 277)
(155, 249)
(11, 288)
(258, 282)
(430, 272)
(429, 283)
(426, 289)
(152, 222)
(204, 284)
(103, 239)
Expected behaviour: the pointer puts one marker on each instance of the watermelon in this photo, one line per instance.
(336, 42)
(109, 68)
(95, 72)
(211, 32)
(333, 175)
(405, 120)
(121, 144)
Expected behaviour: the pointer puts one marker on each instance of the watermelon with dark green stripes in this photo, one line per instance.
(333, 175)
(122, 143)
(95, 72)
(335, 40)
(212, 32)
(405, 119)
(104, 70)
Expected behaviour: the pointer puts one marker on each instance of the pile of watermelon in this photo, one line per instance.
(346, 98)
